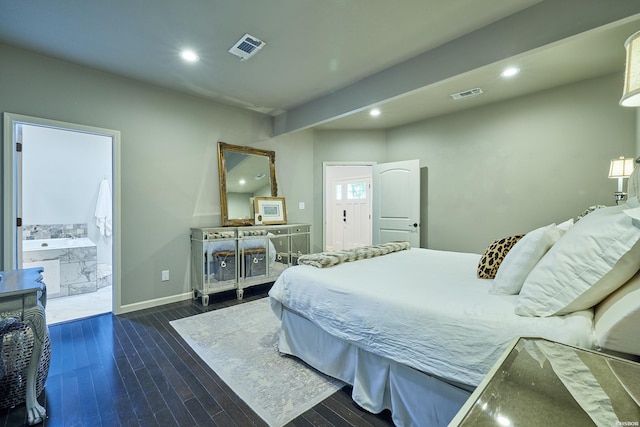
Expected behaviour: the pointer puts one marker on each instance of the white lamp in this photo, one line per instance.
(631, 91)
(620, 168)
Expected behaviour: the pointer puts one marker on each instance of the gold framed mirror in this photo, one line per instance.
(244, 173)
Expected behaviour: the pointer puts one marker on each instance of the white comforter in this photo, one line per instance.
(423, 308)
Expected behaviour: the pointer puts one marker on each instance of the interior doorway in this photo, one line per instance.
(372, 203)
(64, 180)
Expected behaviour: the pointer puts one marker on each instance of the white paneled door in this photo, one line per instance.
(396, 202)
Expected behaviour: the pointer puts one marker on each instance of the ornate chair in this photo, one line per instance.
(25, 351)
(16, 346)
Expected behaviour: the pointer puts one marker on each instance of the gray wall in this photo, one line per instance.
(294, 174)
(504, 168)
(512, 166)
(169, 160)
(522, 163)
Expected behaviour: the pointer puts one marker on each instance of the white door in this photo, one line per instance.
(351, 213)
(396, 202)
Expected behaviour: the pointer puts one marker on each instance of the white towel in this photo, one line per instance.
(103, 209)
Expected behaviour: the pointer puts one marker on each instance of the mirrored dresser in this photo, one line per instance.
(225, 258)
(544, 383)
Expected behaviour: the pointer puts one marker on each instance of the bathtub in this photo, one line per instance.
(70, 265)
(62, 243)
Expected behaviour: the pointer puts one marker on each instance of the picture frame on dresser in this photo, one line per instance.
(270, 210)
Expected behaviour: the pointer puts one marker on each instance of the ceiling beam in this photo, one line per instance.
(544, 23)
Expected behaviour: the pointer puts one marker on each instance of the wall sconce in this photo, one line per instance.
(631, 90)
(621, 168)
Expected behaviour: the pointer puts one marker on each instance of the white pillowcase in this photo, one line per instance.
(617, 318)
(633, 183)
(594, 258)
(564, 226)
(522, 257)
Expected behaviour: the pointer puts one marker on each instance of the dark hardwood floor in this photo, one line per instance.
(135, 370)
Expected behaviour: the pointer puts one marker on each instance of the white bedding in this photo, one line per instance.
(422, 308)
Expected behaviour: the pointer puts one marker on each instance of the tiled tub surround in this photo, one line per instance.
(104, 276)
(54, 231)
(78, 262)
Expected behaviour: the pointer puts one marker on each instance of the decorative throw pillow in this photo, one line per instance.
(493, 256)
(594, 258)
(523, 257)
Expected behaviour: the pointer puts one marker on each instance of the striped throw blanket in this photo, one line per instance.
(331, 258)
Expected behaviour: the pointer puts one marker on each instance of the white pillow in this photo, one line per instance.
(564, 226)
(633, 183)
(522, 257)
(617, 318)
(594, 258)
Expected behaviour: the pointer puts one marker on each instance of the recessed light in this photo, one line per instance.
(189, 55)
(374, 113)
(510, 72)
(242, 181)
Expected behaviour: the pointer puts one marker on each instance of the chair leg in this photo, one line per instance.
(35, 318)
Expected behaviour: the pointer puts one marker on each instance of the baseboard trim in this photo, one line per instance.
(128, 308)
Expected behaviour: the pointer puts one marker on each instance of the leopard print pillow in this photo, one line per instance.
(493, 256)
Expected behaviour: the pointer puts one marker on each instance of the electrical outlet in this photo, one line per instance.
(165, 275)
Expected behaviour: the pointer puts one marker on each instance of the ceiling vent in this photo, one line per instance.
(467, 94)
(246, 47)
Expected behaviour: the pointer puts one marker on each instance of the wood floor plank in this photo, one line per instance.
(89, 402)
(136, 370)
(316, 419)
(165, 418)
(345, 410)
(71, 400)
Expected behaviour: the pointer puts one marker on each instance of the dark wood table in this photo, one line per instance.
(23, 295)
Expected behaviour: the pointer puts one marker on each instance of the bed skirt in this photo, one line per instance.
(414, 398)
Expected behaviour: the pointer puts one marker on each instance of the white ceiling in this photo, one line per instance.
(314, 49)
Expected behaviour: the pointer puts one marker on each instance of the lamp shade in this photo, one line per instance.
(621, 168)
(631, 91)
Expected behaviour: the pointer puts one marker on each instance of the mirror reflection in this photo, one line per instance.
(245, 173)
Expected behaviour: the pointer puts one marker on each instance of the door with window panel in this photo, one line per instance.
(351, 213)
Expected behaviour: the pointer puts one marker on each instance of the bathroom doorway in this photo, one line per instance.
(65, 180)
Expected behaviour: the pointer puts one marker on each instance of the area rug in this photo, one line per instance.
(240, 344)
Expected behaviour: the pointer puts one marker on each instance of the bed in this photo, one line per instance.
(415, 331)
